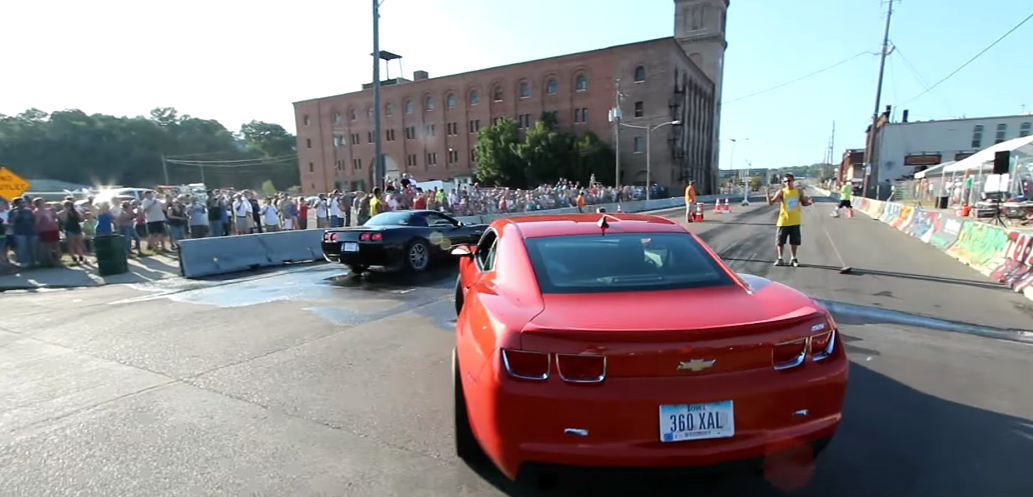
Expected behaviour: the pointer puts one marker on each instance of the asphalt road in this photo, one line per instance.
(303, 382)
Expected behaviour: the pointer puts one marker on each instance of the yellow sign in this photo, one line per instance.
(11, 185)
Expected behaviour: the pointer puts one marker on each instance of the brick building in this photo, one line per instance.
(429, 125)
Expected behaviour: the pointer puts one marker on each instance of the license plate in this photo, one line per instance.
(697, 421)
(349, 247)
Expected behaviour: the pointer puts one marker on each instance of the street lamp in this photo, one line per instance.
(735, 141)
(649, 131)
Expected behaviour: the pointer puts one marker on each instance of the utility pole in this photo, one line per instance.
(165, 168)
(615, 116)
(378, 167)
(870, 149)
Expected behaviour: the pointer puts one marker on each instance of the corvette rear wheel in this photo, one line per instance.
(417, 256)
(467, 447)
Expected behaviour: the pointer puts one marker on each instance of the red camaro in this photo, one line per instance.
(623, 341)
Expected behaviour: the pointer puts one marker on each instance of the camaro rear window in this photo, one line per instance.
(621, 262)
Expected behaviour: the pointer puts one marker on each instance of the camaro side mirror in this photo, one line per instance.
(462, 251)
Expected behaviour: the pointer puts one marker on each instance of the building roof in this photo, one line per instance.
(668, 39)
(958, 119)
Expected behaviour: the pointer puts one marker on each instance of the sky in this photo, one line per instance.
(235, 61)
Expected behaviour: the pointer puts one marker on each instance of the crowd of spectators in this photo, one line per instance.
(34, 229)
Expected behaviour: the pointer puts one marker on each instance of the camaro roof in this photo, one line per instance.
(588, 224)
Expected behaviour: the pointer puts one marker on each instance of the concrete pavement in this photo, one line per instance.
(303, 382)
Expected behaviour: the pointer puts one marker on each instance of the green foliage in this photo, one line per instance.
(818, 170)
(99, 149)
(268, 188)
(546, 154)
(756, 183)
(498, 162)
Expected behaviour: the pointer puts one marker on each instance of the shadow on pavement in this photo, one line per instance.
(856, 271)
(893, 441)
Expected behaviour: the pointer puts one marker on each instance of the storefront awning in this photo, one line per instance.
(936, 170)
(980, 159)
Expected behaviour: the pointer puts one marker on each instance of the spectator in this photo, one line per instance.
(199, 221)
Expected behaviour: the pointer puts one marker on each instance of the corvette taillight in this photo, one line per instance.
(333, 237)
(581, 368)
(526, 364)
(789, 354)
(371, 237)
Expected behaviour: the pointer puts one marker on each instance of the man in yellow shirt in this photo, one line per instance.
(789, 199)
(690, 200)
(376, 206)
(846, 192)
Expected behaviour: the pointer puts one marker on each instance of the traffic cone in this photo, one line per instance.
(619, 208)
(717, 206)
(699, 211)
(728, 207)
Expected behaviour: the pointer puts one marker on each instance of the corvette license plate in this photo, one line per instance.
(349, 247)
(697, 421)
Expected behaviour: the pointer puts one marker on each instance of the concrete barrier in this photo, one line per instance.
(229, 254)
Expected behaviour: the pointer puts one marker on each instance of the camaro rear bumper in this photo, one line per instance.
(617, 423)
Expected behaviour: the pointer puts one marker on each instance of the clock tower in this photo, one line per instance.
(699, 27)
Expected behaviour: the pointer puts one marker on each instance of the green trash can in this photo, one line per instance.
(112, 257)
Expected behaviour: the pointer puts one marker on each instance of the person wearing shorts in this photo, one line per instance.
(846, 192)
(690, 201)
(154, 217)
(790, 199)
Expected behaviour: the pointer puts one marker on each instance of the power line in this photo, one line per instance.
(279, 163)
(217, 162)
(797, 80)
(918, 77)
(987, 49)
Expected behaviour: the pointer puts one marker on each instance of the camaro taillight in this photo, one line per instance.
(819, 346)
(581, 368)
(371, 237)
(789, 354)
(526, 364)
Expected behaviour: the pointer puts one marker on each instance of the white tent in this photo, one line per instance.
(978, 161)
(937, 170)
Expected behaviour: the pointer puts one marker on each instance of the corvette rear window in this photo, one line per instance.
(395, 218)
(622, 262)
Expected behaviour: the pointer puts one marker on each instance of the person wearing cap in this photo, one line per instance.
(789, 199)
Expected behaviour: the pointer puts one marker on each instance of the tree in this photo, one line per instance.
(498, 162)
(99, 149)
(548, 152)
(594, 157)
(755, 183)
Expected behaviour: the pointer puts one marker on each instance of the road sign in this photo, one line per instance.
(11, 185)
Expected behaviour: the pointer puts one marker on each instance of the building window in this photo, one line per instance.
(450, 100)
(369, 113)
(581, 83)
(474, 97)
(338, 141)
(356, 164)
(640, 144)
(432, 158)
(429, 130)
(497, 94)
(308, 143)
(524, 121)
(311, 167)
(452, 129)
(428, 103)
(580, 116)
(977, 136)
(473, 155)
(551, 86)
(390, 135)
(638, 109)
(453, 156)
(474, 125)
(388, 109)
(355, 138)
(1025, 128)
(305, 119)
(409, 107)
(351, 114)
(337, 118)
(340, 164)
(525, 90)
(640, 74)
(410, 160)
(410, 133)
(1002, 129)
(369, 136)
(496, 121)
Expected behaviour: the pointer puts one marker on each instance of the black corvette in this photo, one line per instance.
(398, 240)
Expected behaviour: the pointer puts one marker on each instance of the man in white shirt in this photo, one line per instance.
(242, 213)
(335, 210)
(154, 216)
(322, 212)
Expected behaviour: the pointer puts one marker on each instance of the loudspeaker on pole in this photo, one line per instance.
(1002, 162)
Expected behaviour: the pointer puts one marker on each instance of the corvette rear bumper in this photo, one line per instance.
(617, 423)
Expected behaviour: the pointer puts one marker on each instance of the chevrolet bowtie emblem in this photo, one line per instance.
(696, 365)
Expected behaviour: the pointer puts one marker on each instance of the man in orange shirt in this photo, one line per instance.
(690, 200)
